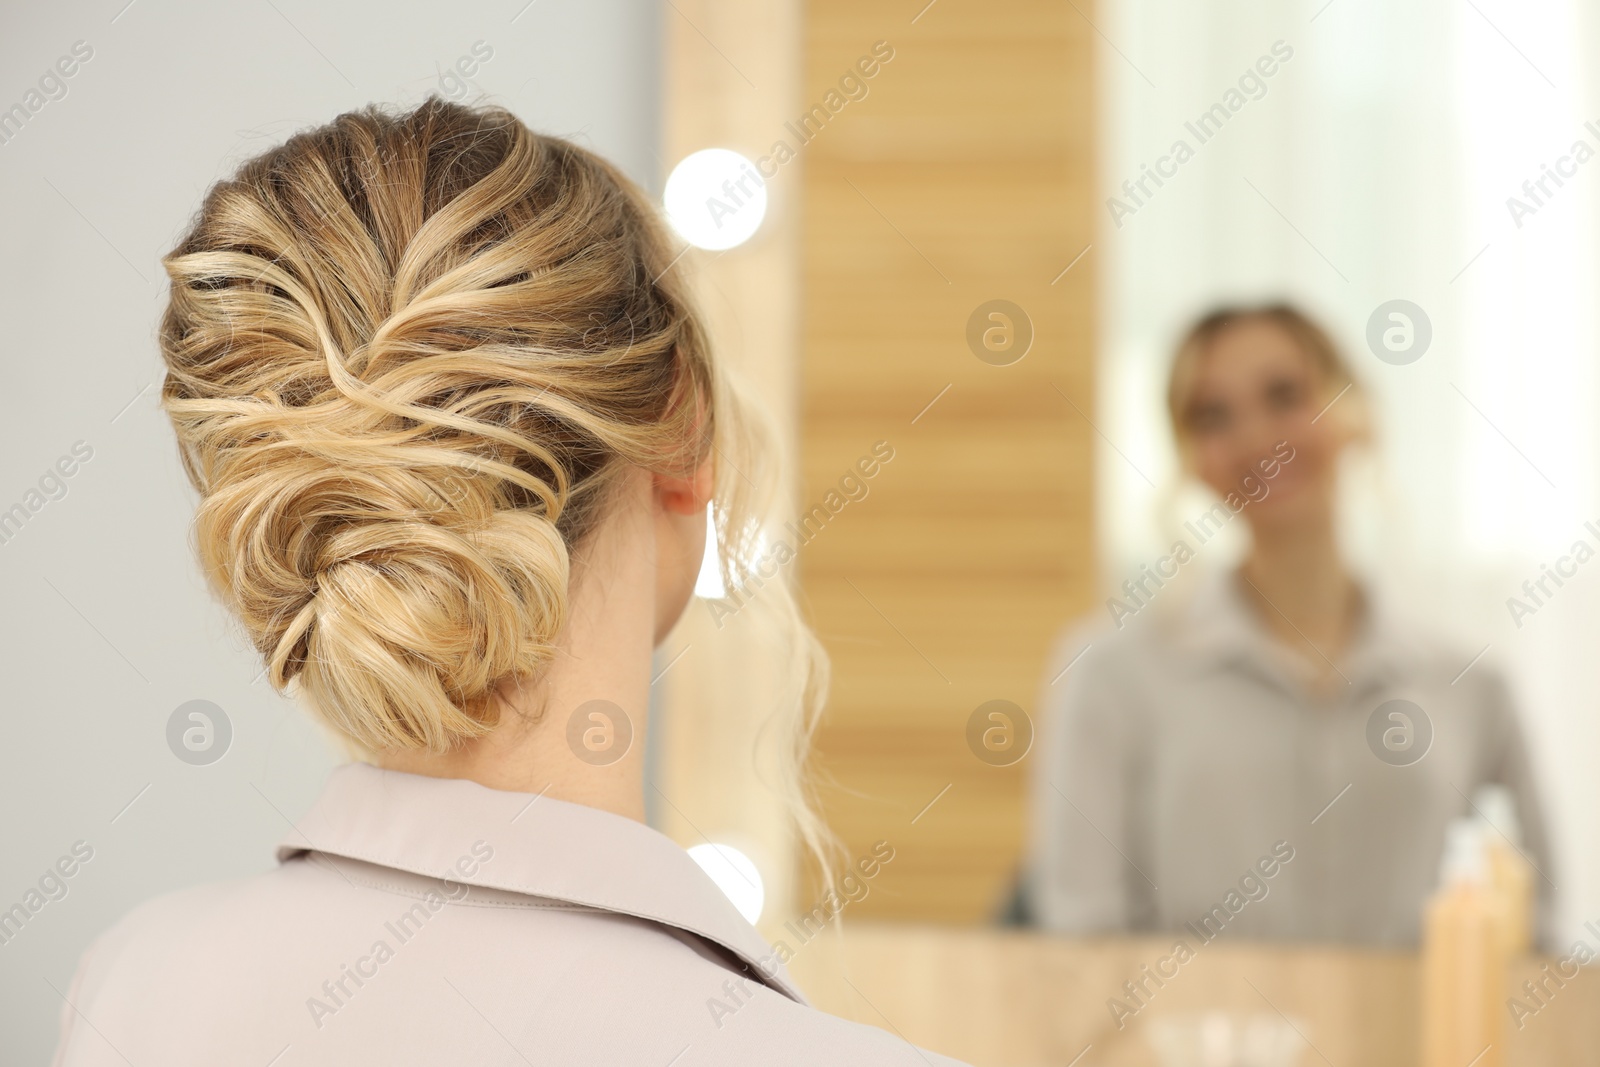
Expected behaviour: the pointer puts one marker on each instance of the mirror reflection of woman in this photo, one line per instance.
(1197, 739)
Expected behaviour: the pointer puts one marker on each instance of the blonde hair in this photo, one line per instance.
(407, 357)
(1308, 336)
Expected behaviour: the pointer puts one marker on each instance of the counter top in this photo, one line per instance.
(1003, 998)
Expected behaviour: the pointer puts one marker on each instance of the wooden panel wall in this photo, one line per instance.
(964, 175)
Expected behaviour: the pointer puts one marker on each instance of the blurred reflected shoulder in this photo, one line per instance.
(430, 920)
(1180, 749)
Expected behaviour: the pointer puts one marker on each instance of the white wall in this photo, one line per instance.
(106, 627)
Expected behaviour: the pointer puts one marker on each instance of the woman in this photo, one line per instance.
(452, 418)
(1239, 749)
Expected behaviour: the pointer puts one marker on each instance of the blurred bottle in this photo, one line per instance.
(1510, 875)
(1464, 958)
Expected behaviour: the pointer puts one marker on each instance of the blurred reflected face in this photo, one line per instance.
(1255, 387)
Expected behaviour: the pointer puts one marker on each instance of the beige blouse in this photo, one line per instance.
(1190, 779)
(425, 921)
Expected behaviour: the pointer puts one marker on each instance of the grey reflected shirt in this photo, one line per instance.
(1184, 756)
(423, 921)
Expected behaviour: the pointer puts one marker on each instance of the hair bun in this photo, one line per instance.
(411, 624)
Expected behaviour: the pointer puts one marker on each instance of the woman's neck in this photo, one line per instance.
(1303, 592)
(601, 666)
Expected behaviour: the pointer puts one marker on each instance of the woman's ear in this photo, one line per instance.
(686, 495)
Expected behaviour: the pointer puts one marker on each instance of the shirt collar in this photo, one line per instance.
(1221, 626)
(542, 847)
